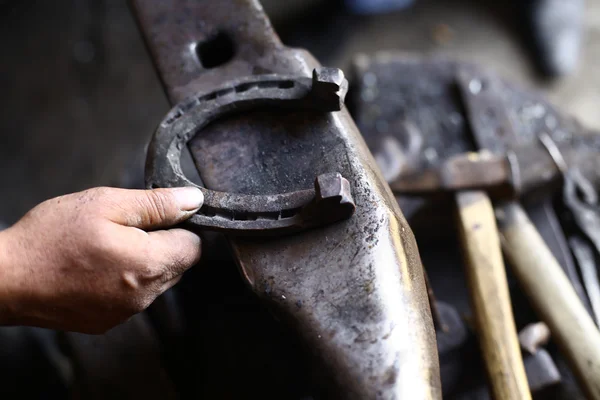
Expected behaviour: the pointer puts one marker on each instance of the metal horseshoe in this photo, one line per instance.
(331, 199)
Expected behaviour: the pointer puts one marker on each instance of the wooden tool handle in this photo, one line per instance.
(490, 298)
(552, 295)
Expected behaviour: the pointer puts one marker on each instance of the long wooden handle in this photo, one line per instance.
(490, 297)
(552, 295)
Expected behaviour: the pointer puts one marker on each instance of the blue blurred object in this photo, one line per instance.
(376, 6)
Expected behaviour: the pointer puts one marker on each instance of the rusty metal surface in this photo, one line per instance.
(355, 290)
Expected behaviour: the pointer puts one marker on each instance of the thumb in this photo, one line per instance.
(157, 208)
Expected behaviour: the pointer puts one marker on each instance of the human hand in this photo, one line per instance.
(88, 261)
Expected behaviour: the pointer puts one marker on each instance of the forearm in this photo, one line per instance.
(8, 279)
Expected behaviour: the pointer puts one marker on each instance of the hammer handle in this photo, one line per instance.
(552, 295)
(490, 296)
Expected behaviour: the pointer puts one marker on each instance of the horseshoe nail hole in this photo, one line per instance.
(210, 96)
(245, 216)
(207, 211)
(240, 216)
(224, 92)
(270, 215)
(245, 87)
(174, 117)
(286, 85)
(225, 214)
(216, 51)
(268, 85)
(288, 213)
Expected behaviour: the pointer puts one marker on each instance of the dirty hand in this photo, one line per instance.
(90, 260)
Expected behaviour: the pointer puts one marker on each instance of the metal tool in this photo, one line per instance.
(515, 175)
(587, 264)
(413, 118)
(546, 221)
(493, 130)
(484, 266)
(553, 296)
(581, 198)
(497, 175)
(354, 290)
(501, 177)
(487, 277)
(331, 200)
(490, 296)
(542, 373)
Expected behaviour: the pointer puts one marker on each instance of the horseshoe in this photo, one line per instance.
(242, 214)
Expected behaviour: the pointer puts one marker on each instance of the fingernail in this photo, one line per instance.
(188, 198)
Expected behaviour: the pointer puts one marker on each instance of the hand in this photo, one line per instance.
(88, 261)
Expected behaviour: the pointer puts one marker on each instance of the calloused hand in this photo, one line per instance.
(88, 261)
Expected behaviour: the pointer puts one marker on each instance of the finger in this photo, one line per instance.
(174, 251)
(156, 208)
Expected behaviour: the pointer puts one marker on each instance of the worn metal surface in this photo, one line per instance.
(355, 289)
(329, 202)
